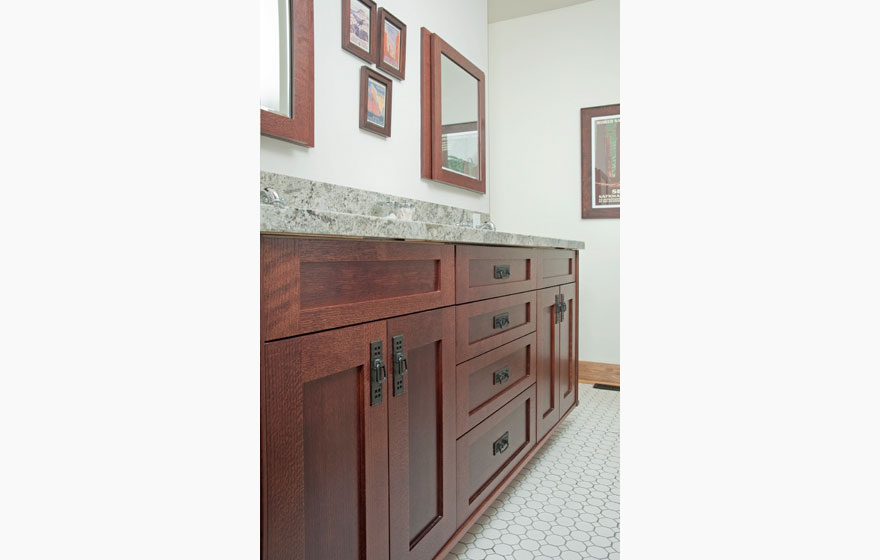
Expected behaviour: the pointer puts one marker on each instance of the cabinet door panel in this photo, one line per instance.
(568, 363)
(422, 436)
(548, 363)
(324, 448)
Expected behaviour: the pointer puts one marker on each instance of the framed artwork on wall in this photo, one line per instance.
(360, 29)
(600, 162)
(392, 45)
(375, 109)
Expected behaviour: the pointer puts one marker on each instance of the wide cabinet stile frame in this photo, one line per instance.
(299, 128)
(433, 47)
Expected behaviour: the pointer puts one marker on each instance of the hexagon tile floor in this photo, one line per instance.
(566, 502)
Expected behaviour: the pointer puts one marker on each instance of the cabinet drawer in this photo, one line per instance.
(485, 383)
(487, 272)
(315, 284)
(484, 325)
(555, 267)
(487, 454)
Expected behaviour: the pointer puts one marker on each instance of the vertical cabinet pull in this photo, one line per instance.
(378, 373)
(400, 365)
(561, 308)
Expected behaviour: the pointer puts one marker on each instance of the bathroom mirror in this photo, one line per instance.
(287, 70)
(453, 116)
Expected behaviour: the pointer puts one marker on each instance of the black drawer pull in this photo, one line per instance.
(501, 444)
(501, 271)
(501, 376)
(501, 321)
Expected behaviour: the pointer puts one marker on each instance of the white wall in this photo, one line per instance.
(544, 69)
(346, 155)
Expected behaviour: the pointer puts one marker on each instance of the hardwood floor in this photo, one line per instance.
(596, 372)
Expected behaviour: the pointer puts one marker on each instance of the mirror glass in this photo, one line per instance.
(459, 111)
(275, 90)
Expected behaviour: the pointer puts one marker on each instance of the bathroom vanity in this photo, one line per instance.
(405, 380)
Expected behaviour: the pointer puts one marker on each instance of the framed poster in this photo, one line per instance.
(375, 107)
(392, 45)
(359, 28)
(600, 162)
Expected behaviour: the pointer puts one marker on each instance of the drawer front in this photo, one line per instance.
(487, 272)
(486, 383)
(485, 325)
(309, 285)
(487, 454)
(556, 266)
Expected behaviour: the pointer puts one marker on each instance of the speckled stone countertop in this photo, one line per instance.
(299, 206)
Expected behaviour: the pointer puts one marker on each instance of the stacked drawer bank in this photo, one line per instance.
(403, 386)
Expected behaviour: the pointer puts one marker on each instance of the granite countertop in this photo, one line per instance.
(298, 206)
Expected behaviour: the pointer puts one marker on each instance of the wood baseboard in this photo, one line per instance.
(596, 372)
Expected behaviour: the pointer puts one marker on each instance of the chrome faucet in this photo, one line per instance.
(268, 195)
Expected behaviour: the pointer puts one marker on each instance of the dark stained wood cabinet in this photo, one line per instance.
(311, 285)
(421, 444)
(472, 380)
(557, 354)
(324, 448)
(547, 369)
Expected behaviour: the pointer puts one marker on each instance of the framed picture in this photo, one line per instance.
(375, 112)
(359, 28)
(600, 162)
(392, 45)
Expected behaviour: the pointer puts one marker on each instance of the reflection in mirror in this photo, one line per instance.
(275, 90)
(459, 101)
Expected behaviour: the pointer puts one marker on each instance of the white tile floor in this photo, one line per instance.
(566, 502)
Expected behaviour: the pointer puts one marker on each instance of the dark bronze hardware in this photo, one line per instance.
(501, 271)
(399, 365)
(378, 373)
(501, 321)
(501, 376)
(501, 444)
(561, 308)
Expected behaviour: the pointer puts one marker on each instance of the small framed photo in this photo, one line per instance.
(375, 112)
(600, 162)
(359, 28)
(392, 45)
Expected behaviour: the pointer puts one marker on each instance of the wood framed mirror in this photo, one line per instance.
(453, 116)
(287, 70)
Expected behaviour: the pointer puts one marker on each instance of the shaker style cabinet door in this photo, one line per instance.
(548, 361)
(324, 447)
(568, 361)
(421, 423)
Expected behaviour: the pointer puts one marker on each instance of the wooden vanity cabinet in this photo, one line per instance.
(324, 448)
(421, 433)
(557, 354)
(365, 454)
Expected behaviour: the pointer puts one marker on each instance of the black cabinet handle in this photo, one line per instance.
(501, 321)
(399, 366)
(501, 271)
(501, 376)
(501, 444)
(377, 372)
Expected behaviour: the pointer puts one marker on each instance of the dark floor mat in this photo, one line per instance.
(606, 387)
